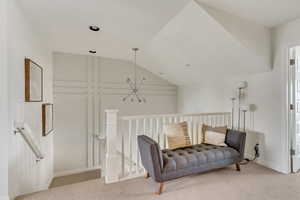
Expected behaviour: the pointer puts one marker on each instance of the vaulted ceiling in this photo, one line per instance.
(188, 41)
(265, 12)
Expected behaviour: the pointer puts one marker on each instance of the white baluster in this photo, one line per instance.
(164, 141)
(137, 160)
(222, 120)
(215, 120)
(191, 129)
(157, 130)
(195, 130)
(113, 167)
(151, 128)
(145, 133)
(123, 155)
(188, 120)
(170, 120)
(130, 145)
(175, 119)
(144, 127)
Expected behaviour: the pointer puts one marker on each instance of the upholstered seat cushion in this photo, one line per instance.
(199, 156)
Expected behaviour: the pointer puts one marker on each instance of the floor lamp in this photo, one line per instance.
(232, 112)
(244, 109)
(241, 86)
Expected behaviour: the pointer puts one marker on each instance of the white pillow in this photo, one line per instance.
(215, 138)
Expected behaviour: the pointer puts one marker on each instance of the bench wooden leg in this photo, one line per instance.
(238, 166)
(160, 189)
(147, 175)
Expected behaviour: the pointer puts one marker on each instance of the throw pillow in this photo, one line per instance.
(214, 135)
(177, 135)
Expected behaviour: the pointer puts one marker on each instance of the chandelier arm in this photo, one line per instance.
(131, 85)
(141, 84)
(137, 97)
(130, 94)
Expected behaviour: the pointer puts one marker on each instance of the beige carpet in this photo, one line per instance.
(76, 178)
(253, 183)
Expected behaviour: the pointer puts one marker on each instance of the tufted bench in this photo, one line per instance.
(169, 164)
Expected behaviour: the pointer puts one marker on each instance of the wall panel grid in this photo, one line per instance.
(100, 82)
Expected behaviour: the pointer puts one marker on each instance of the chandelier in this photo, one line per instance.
(134, 85)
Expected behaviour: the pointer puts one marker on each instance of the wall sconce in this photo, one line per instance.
(242, 85)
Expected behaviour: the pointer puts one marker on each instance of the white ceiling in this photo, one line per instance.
(170, 33)
(213, 48)
(124, 24)
(265, 12)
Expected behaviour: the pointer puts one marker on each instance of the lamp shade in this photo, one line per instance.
(242, 84)
(245, 107)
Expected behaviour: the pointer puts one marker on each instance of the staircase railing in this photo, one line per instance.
(25, 132)
(122, 153)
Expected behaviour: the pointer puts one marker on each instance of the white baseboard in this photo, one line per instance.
(272, 165)
(46, 185)
(268, 163)
(74, 171)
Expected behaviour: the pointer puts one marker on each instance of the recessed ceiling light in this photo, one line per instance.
(94, 28)
(93, 52)
(187, 65)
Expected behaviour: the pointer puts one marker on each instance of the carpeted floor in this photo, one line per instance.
(252, 183)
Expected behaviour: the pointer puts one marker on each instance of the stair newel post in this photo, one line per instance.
(113, 160)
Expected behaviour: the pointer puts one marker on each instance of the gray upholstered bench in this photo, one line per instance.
(167, 164)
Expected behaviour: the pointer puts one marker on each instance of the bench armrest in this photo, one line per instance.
(236, 140)
(151, 157)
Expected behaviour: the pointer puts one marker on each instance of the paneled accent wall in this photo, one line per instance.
(84, 86)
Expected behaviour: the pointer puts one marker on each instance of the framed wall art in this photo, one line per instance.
(33, 81)
(47, 118)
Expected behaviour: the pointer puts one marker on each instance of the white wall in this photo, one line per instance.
(25, 175)
(79, 113)
(267, 91)
(203, 98)
(3, 104)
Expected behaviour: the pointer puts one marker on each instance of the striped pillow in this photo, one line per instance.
(177, 135)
